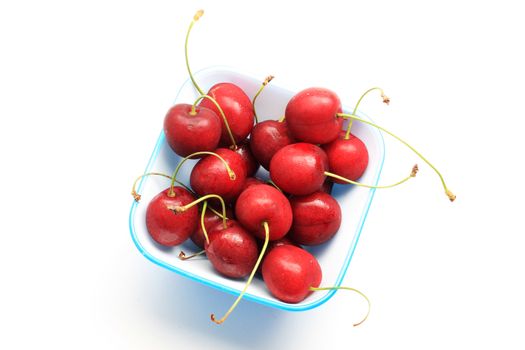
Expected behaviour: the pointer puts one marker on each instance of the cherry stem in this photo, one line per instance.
(137, 196)
(449, 193)
(314, 289)
(192, 112)
(265, 245)
(182, 209)
(274, 185)
(204, 206)
(412, 174)
(282, 119)
(385, 100)
(183, 256)
(218, 214)
(171, 193)
(196, 17)
(264, 83)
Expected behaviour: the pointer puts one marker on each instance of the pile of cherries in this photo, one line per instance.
(242, 222)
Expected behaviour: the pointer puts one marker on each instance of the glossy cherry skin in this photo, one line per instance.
(347, 158)
(210, 220)
(232, 250)
(299, 168)
(251, 164)
(165, 226)
(267, 138)
(209, 175)
(260, 203)
(237, 107)
(289, 272)
(316, 218)
(186, 133)
(311, 116)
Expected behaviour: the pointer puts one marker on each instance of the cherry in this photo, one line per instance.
(312, 116)
(231, 250)
(299, 168)
(264, 203)
(234, 103)
(210, 175)
(289, 272)
(210, 220)
(165, 226)
(316, 218)
(347, 157)
(267, 138)
(237, 107)
(251, 164)
(189, 129)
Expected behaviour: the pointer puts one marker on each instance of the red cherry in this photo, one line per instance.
(210, 176)
(260, 203)
(188, 132)
(316, 218)
(347, 158)
(237, 107)
(299, 168)
(165, 226)
(311, 116)
(289, 272)
(267, 138)
(210, 220)
(244, 150)
(232, 251)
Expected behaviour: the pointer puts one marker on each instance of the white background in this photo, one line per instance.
(84, 87)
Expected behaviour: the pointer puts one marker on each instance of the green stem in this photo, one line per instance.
(314, 289)
(234, 305)
(204, 206)
(192, 112)
(183, 256)
(385, 100)
(274, 185)
(137, 196)
(196, 17)
(449, 194)
(412, 174)
(282, 119)
(176, 172)
(264, 83)
(218, 214)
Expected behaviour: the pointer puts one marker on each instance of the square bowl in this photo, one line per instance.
(334, 256)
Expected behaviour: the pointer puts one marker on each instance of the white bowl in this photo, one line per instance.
(334, 256)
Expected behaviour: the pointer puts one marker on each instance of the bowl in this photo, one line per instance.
(334, 256)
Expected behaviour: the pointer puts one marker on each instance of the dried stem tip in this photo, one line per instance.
(198, 15)
(268, 79)
(415, 169)
(182, 255)
(136, 196)
(386, 99)
(450, 195)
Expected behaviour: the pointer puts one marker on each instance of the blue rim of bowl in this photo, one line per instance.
(273, 303)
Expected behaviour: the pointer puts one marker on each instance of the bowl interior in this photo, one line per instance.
(334, 256)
